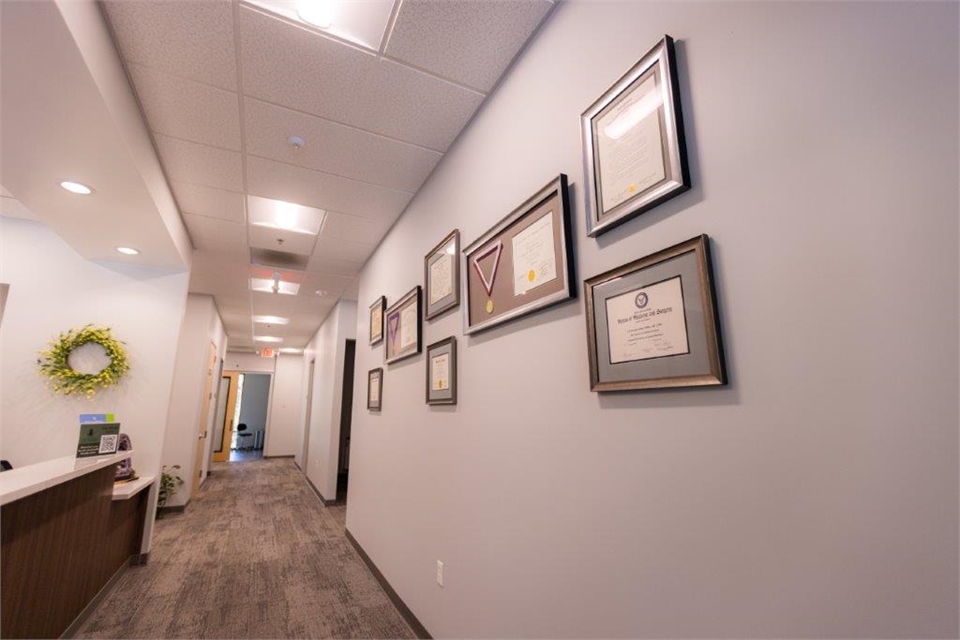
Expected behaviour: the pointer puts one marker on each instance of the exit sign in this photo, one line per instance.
(267, 353)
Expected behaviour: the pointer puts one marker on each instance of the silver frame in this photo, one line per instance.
(558, 185)
(661, 55)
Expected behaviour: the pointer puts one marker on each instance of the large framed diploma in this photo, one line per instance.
(634, 152)
(653, 323)
(375, 389)
(523, 264)
(441, 276)
(442, 372)
(376, 320)
(403, 321)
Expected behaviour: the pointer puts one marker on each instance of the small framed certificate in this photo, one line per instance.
(442, 372)
(376, 320)
(523, 264)
(634, 152)
(441, 276)
(374, 389)
(653, 323)
(403, 321)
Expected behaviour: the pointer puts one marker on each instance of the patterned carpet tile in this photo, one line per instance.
(256, 555)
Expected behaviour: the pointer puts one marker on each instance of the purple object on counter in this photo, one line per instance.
(124, 467)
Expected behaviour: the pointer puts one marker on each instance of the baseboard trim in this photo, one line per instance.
(272, 457)
(180, 508)
(411, 619)
(97, 599)
(139, 559)
(313, 487)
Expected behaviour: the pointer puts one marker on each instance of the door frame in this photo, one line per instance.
(228, 427)
(204, 421)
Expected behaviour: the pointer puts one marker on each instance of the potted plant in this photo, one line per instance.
(168, 486)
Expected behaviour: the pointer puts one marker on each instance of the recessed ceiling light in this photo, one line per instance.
(321, 292)
(267, 339)
(319, 13)
(76, 187)
(128, 251)
(271, 320)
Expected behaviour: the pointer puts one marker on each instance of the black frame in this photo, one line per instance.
(382, 303)
(704, 364)
(411, 297)
(569, 291)
(379, 404)
(452, 342)
(661, 61)
(441, 308)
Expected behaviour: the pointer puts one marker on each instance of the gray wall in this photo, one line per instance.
(817, 495)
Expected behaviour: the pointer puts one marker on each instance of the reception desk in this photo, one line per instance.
(65, 533)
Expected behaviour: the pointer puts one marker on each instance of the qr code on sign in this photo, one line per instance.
(108, 444)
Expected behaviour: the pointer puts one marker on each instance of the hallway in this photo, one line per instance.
(256, 555)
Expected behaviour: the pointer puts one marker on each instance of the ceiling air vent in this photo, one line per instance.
(278, 259)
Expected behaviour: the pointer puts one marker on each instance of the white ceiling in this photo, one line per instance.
(223, 85)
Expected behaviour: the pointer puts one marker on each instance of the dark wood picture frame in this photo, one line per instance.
(642, 298)
(627, 110)
(375, 404)
(379, 305)
(490, 289)
(439, 252)
(393, 329)
(446, 395)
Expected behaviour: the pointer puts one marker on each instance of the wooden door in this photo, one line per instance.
(222, 451)
(204, 420)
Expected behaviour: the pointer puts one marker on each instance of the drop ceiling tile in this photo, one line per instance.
(211, 234)
(335, 148)
(466, 41)
(319, 264)
(200, 164)
(270, 179)
(346, 227)
(189, 110)
(331, 283)
(207, 201)
(192, 38)
(291, 66)
(344, 250)
(282, 240)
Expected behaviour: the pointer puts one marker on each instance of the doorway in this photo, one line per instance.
(346, 419)
(253, 402)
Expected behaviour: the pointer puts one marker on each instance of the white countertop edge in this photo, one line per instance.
(127, 490)
(25, 481)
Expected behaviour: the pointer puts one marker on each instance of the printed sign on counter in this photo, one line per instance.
(98, 439)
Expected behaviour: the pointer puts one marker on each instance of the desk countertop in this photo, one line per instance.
(33, 478)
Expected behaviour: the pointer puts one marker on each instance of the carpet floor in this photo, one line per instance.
(255, 555)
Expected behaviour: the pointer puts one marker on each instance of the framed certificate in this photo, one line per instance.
(442, 372)
(634, 154)
(441, 276)
(376, 320)
(523, 264)
(403, 322)
(374, 389)
(653, 323)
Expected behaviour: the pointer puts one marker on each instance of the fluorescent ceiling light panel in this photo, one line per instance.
(267, 339)
(271, 320)
(286, 216)
(265, 285)
(363, 23)
(290, 350)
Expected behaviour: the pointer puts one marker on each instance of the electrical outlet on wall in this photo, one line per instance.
(439, 573)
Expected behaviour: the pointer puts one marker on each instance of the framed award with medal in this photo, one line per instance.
(403, 322)
(523, 264)
(653, 323)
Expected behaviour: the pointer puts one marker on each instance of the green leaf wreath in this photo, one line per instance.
(55, 362)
